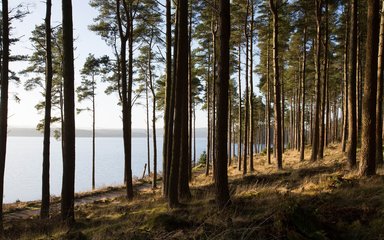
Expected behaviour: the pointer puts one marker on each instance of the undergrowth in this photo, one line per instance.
(321, 200)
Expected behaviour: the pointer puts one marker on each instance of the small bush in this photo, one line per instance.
(203, 158)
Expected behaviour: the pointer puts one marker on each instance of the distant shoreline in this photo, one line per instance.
(100, 133)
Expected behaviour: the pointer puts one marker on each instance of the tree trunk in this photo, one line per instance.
(4, 103)
(147, 125)
(247, 109)
(45, 198)
(268, 107)
(315, 141)
(368, 143)
(167, 129)
(181, 87)
(303, 79)
(379, 100)
(68, 187)
(352, 127)
(251, 115)
(221, 177)
(323, 96)
(345, 93)
(277, 147)
(239, 147)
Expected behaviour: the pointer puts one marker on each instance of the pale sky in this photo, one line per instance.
(108, 113)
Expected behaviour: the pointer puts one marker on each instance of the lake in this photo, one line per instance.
(23, 167)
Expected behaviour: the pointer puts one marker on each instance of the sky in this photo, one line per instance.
(108, 113)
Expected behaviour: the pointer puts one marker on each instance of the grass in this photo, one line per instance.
(321, 200)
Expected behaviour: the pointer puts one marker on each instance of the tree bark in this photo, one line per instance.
(324, 83)
(379, 100)
(315, 141)
(303, 79)
(368, 141)
(277, 107)
(221, 178)
(68, 187)
(4, 103)
(167, 130)
(45, 198)
(352, 127)
(181, 87)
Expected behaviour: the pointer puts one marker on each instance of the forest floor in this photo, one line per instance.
(306, 200)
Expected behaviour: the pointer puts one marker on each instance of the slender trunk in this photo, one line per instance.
(345, 93)
(239, 147)
(167, 116)
(277, 107)
(93, 135)
(209, 116)
(268, 133)
(190, 98)
(352, 128)
(323, 99)
(246, 126)
(303, 79)
(315, 142)
(251, 115)
(147, 125)
(45, 198)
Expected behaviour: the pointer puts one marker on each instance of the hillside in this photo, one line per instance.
(306, 200)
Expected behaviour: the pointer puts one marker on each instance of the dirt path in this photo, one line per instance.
(28, 212)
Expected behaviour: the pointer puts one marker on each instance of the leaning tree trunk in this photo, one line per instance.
(45, 198)
(352, 127)
(368, 141)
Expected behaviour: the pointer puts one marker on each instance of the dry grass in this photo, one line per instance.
(306, 200)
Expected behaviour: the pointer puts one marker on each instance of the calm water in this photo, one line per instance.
(24, 164)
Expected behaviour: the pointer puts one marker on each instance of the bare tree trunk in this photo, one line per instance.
(278, 146)
(352, 128)
(379, 100)
(45, 198)
(68, 184)
(368, 141)
(239, 147)
(167, 115)
(147, 125)
(4, 103)
(344, 137)
(251, 115)
(323, 99)
(315, 142)
(221, 177)
(303, 79)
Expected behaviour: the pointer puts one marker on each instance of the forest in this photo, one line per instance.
(293, 96)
